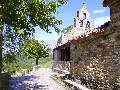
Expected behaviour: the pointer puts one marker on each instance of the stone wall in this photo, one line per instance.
(97, 55)
(97, 58)
(57, 62)
(63, 65)
(115, 12)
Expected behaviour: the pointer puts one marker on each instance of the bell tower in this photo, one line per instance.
(83, 20)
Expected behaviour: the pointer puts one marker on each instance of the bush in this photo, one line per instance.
(13, 63)
(4, 81)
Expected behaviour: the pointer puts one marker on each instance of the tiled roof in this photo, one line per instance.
(109, 2)
(96, 32)
(105, 2)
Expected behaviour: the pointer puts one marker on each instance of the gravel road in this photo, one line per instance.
(36, 80)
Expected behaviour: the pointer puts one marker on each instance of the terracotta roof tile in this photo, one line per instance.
(91, 34)
(105, 2)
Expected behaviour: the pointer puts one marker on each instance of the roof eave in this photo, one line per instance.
(105, 3)
(109, 2)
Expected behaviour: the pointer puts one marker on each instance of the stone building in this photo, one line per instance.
(92, 53)
(83, 23)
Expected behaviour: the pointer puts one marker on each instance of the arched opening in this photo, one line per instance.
(84, 15)
(81, 23)
(74, 22)
(88, 25)
(77, 13)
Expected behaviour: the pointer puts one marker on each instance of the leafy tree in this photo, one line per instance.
(67, 29)
(12, 41)
(34, 49)
(9, 61)
(23, 15)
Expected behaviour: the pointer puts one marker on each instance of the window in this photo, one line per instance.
(67, 49)
(53, 54)
(81, 23)
(88, 25)
(65, 54)
(84, 15)
(77, 13)
(74, 22)
(62, 54)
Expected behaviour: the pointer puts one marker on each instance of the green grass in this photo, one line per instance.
(4, 81)
(46, 64)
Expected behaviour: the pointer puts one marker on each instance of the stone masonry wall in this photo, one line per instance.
(63, 65)
(57, 63)
(97, 58)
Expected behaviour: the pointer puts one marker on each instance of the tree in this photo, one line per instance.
(67, 29)
(23, 15)
(34, 49)
(15, 63)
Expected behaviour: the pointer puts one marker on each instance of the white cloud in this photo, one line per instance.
(101, 20)
(99, 11)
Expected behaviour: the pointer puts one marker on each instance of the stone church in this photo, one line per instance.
(92, 53)
(83, 23)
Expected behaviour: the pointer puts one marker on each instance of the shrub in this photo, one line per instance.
(4, 81)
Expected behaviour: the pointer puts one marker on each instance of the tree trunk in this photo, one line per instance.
(36, 61)
(1, 65)
(37, 64)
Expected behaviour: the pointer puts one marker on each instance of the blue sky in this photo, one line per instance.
(67, 13)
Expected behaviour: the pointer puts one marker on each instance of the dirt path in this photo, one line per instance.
(37, 80)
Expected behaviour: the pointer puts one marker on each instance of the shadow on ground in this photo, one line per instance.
(25, 83)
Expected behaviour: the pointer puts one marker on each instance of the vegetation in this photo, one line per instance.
(36, 50)
(46, 62)
(4, 81)
(67, 29)
(17, 21)
(13, 63)
(19, 17)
